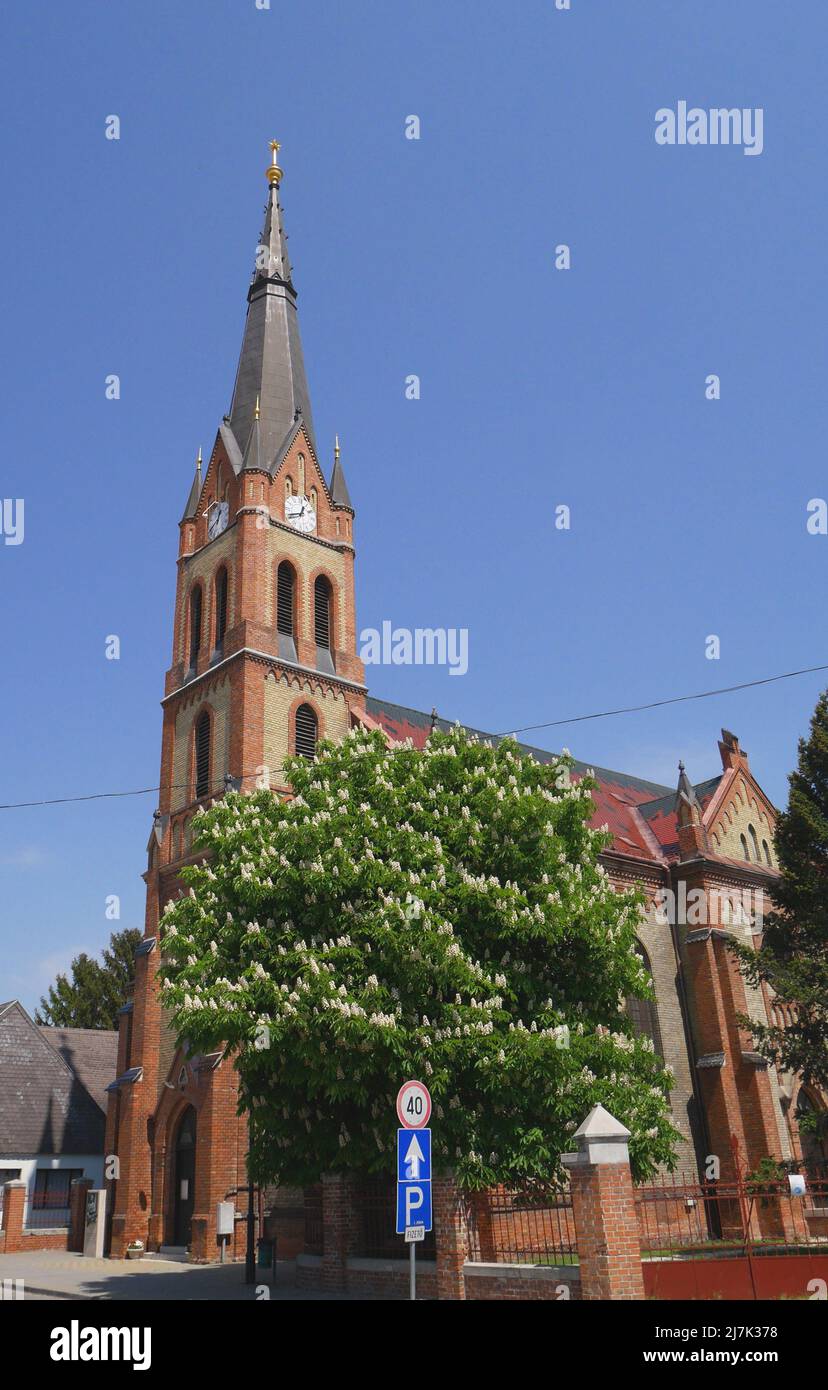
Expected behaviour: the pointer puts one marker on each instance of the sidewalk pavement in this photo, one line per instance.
(53, 1274)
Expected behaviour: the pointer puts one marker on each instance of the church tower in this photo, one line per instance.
(264, 664)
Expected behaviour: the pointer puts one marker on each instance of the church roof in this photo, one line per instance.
(271, 365)
(640, 815)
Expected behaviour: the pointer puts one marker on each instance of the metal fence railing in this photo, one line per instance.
(682, 1217)
(313, 1220)
(375, 1222)
(532, 1226)
(47, 1210)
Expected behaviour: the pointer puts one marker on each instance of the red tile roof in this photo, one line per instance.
(640, 814)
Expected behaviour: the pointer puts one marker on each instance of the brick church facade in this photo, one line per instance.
(265, 662)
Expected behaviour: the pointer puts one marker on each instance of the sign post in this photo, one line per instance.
(413, 1169)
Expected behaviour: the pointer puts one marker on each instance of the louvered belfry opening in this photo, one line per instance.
(322, 612)
(285, 599)
(202, 755)
(195, 624)
(221, 606)
(307, 730)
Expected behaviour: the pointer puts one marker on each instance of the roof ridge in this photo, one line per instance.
(610, 773)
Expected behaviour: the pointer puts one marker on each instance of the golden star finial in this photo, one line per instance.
(273, 173)
(336, 448)
(256, 412)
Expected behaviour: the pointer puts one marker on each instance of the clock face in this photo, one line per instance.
(217, 520)
(300, 513)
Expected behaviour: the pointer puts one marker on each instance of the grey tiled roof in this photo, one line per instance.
(91, 1053)
(45, 1107)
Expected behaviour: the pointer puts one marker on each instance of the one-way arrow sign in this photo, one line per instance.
(413, 1155)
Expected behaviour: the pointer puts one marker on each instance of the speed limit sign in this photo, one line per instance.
(413, 1105)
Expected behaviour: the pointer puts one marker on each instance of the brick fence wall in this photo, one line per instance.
(16, 1238)
(603, 1222)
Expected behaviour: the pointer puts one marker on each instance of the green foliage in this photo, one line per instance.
(767, 1179)
(435, 913)
(793, 958)
(96, 991)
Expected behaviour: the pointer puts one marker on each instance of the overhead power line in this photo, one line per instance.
(673, 700)
(525, 729)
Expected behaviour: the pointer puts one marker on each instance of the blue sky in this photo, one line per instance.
(435, 257)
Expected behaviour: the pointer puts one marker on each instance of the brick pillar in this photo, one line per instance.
(338, 1229)
(603, 1207)
(77, 1211)
(14, 1202)
(451, 1233)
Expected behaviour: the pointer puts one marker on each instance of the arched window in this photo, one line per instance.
(768, 860)
(642, 1012)
(314, 500)
(195, 624)
(202, 755)
(754, 841)
(288, 487)
(221, 607)
(322, 623)
(745, 850)
(812, 1136)
(286, 611)
(307, 731)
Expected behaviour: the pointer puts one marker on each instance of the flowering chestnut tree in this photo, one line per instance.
(436, 913)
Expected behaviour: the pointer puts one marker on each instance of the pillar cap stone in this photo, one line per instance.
(601, 1139)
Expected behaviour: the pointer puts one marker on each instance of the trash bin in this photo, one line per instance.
(266, 1253)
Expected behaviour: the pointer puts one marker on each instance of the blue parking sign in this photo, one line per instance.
(413, 1205)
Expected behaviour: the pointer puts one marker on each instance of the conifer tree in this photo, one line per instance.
(793, 958)
(96, 990)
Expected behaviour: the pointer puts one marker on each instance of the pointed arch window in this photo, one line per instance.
(755, 842)
(195, 625)
(768, 860)
(202, 756)
(745, 850)
(221, 607)
(322, 624)
(286, 611)
(642, 1013)
(307, 732)
(813, 1138)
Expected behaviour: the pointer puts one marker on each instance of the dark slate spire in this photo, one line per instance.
(339, 488)
(271, 367)
(195, 492)
(254, 453)
(688, 809)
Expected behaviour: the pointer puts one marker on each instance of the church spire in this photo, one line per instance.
(271, 368)
(339, 488)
